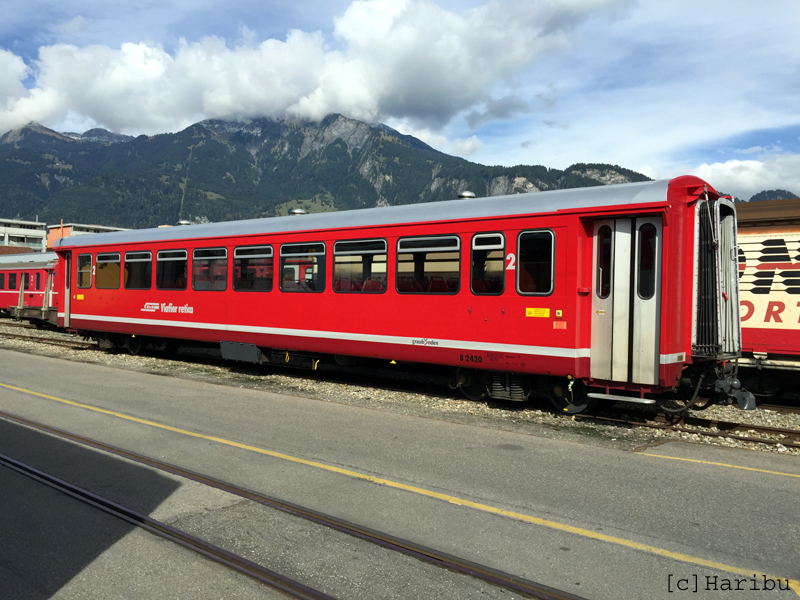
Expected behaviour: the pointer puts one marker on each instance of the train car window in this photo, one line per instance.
(138, 270)
(210, 269)
(2, 281)
(107, 271)
(84, 270)
(360, 266)
(38, 281)
(535, 264)
(253, 268)
(26, 281)
(12, 281)
(303, 267)
(604, 261)
(488, 264)
(172, 269)
(428, 265)
(646, 251)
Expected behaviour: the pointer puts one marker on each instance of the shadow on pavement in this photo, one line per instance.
(46, 537)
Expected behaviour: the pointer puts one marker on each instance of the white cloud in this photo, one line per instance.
(72, 27)
(751, 150)
(467, 147)
(433, 139)
(12, 72)
(397, 59)
(744, 178)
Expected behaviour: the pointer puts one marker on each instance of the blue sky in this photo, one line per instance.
(662, 87)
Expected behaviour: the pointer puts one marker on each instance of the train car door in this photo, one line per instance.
(626, 300)
(67, 286)
(47, 300)
(23, 286)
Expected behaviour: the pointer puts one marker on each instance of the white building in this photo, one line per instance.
(23, 233)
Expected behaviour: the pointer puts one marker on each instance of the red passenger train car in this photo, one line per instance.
(624, 292)
(27, 289)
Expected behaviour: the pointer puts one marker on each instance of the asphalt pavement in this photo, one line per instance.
(595, 522)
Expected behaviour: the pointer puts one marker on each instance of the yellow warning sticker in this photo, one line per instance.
(79, 297)
(537, 312)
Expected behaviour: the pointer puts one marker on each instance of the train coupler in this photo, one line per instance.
(730, 389)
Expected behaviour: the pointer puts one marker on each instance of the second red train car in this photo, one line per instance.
(27, 286)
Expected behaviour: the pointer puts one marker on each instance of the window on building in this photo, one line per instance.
(138, 270)
(253, 268)
(488, 264)
(84, 270)
(107, 271)
(360, 266)
(172, 269)
(210, 269)
(428, 265)
(303, 267)
(535, 264)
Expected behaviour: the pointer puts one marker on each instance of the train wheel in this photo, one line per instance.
(135, 345)
(472, 387)
(569, 401)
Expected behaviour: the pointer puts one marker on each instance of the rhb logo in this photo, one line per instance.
(170, 308)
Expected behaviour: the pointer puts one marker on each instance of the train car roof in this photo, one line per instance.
(768, 212)
(646, 192)
(31, 260)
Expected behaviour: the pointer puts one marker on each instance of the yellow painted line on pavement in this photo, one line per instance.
(719, 464)
(586, 533)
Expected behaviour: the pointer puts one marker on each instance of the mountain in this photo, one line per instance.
(99, 135)
(773, 195)
(222, 170)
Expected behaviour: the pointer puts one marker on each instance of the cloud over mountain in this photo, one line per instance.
(393, 59)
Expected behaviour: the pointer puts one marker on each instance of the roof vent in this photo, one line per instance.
(466, 194)
(297, 211)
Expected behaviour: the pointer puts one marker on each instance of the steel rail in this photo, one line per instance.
(49, 341)
(423, 553)
(186, 540)
(725, 429)
(781, 409)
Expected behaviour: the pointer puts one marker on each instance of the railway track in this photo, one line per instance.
(49, 341)
(782, 409)
(293, 588)
(296, 589)
(746, 432)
